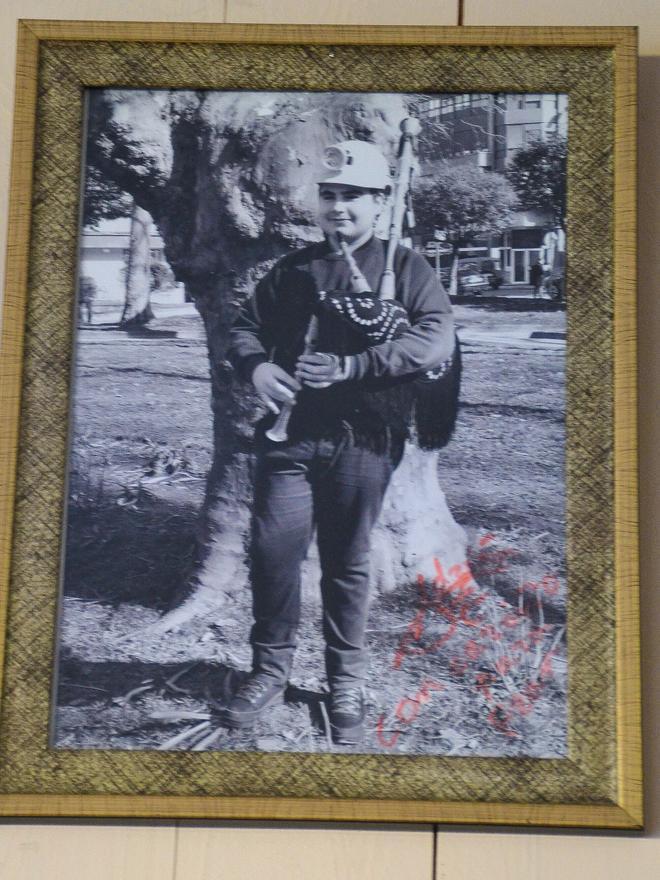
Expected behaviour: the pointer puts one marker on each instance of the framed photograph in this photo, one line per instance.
(318, 393)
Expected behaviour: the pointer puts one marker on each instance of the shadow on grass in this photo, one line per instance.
(139, 556)
(101, 686)
(82, 683)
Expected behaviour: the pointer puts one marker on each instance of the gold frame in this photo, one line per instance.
(31, 788)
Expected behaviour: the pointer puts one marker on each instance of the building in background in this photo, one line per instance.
(487, 130)
(104, 259)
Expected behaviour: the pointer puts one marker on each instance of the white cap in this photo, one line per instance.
(356, 163)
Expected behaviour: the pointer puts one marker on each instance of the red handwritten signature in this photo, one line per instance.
(505, 653)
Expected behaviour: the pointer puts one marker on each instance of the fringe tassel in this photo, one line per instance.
(436, 404)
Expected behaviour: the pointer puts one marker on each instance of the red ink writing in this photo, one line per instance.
(504, 653)
(406, 712)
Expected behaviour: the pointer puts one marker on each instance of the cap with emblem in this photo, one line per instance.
(356, 163)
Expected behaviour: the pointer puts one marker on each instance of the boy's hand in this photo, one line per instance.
(274, 385)
(321, 369)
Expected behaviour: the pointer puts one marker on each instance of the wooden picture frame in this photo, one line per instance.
(599, 783)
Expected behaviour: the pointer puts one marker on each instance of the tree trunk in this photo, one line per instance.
(137, 308)
(220, 564)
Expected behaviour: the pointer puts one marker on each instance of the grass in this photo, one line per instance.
(470, 664)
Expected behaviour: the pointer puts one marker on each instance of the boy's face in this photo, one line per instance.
(349, 210)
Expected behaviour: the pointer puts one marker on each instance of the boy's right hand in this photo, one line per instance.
(274, 385)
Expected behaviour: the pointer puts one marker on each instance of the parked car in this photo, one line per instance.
(475, 276)
(472, 281)
(490, 270)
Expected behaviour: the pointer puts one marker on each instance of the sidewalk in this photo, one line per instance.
(111, 314)
(524, 328)
(520, 290)
(510, 337)
(506, 334)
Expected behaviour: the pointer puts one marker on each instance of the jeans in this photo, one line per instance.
(339, 488)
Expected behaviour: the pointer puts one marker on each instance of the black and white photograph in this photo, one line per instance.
(316, 479)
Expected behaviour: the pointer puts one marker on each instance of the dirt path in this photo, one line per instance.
(461, 667)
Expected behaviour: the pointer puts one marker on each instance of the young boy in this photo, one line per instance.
(344, 439)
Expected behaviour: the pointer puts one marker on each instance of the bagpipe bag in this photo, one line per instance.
(351, 322)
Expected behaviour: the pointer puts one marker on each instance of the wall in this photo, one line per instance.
(233, 851)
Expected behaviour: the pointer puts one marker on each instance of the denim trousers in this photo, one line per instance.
(337, 488)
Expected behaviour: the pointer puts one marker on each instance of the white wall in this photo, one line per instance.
(233, 851)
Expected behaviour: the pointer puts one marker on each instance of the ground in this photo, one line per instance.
(472, 664)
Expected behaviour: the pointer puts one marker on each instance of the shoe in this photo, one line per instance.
(253, 697)
(347, 714)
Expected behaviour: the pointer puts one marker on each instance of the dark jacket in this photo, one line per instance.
(272, 325)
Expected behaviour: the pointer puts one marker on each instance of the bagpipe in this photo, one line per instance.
(361, 318)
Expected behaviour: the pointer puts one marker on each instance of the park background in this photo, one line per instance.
(127, 850)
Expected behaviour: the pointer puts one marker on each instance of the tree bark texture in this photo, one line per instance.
(230, 181)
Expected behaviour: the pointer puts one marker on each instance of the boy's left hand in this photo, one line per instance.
(322, 369)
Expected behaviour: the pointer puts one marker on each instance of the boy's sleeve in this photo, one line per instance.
(430, 339)
(249, 339)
